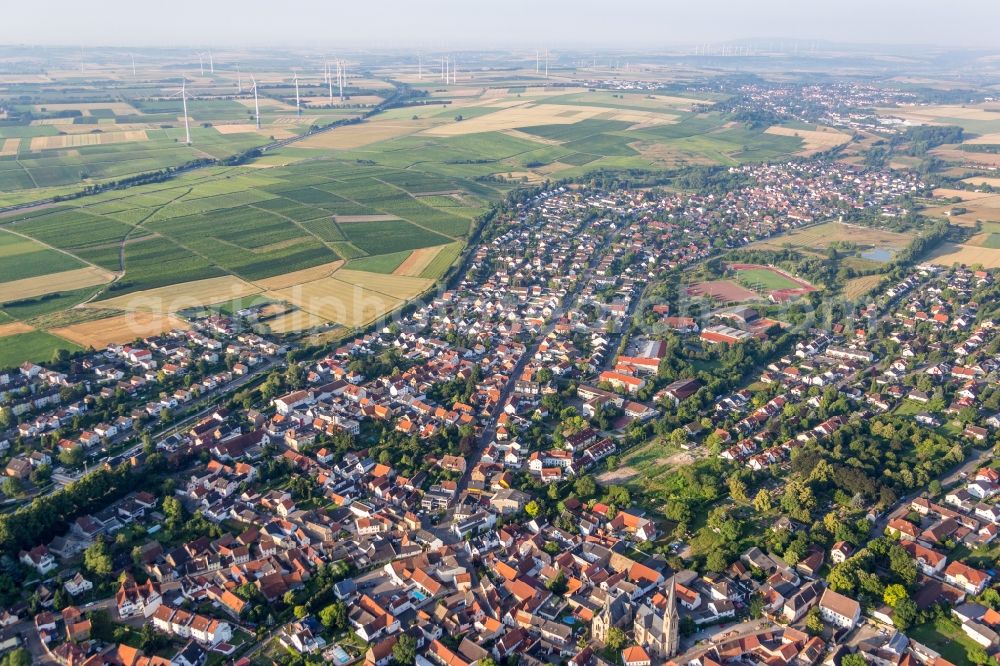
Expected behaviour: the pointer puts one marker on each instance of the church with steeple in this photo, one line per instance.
(654, 629)
(658, 632)
(616, 612)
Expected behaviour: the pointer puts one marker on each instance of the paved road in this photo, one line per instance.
(717, 632)
(26, 630)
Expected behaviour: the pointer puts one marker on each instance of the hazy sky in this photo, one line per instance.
(488, 23)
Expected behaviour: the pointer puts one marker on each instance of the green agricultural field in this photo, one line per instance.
(379, 263)
(73, 229)
(35, 346)
(577, 131)
(22, 258)
(306, 206)
(442, 261)
(27, 309)
(325, 228)
(390, 236)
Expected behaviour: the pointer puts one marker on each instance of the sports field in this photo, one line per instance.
(764, 280)
(723, 291)
(774, 282)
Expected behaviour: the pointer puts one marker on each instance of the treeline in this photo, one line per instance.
(49, 516)
(935, 233)
(704, 179)
(924, 137)
(148, 178)
(980, 148)
(915, 142)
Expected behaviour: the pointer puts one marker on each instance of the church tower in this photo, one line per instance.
(671, 622)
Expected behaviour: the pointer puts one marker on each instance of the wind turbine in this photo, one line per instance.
(256, 105)
(298, 105)
(211, 62)
(329, 82)
(201, 64)
(132, 55)
(341, 75)
(184, 104)
(239, 80)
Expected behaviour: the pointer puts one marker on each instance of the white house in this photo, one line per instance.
(839, 610)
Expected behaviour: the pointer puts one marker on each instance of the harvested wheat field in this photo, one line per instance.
(525, 176)
(989, 160)
(985, 139)
(641, 118)
(250, 128)
(526, 115)
(14, 328)
(120, 328)
(951, 253)
(183, 296)
(418, 260)
(362, 134)
(9, 147)
(298, 277)
(518, 134)
(814, 141)
(820, 236)
(964, 195)
(980, 240)
(265, 103)
(979, 181)
(860, 286)
(355, 99)
(91, 276)
(295, 321)
(986, 208)
(932, 113)
(80, 140)
(395, 286)
(337, 301)
(117, 108)
(112, 126)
